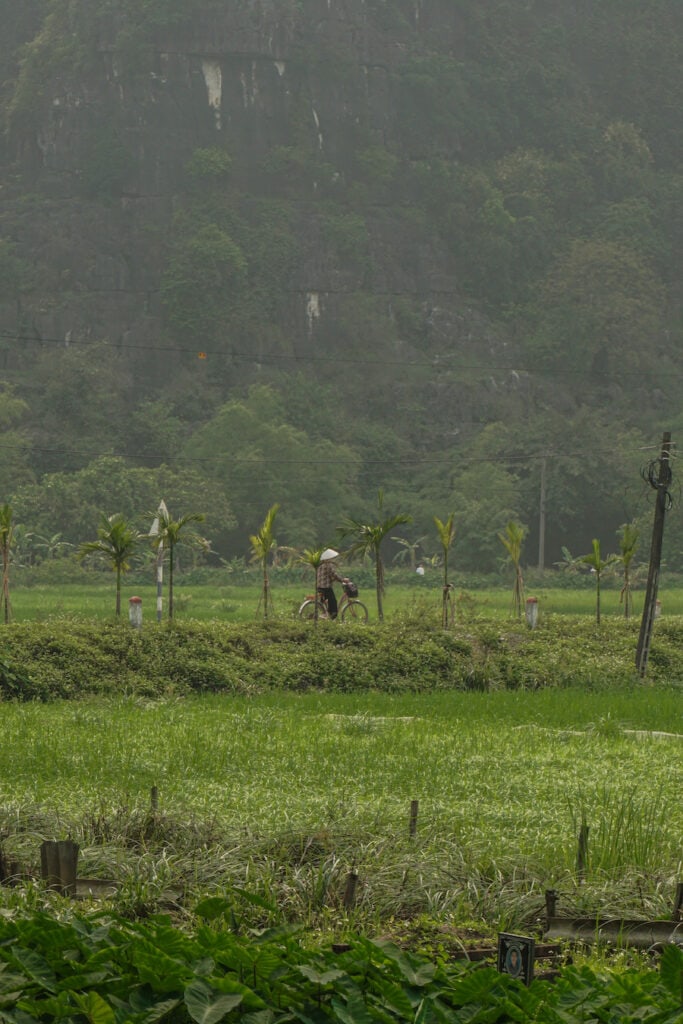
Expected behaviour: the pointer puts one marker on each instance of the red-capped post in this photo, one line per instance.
(135, 612)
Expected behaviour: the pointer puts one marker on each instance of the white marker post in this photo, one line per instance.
(154, 532)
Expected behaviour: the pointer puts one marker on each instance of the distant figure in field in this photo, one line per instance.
(420, 570)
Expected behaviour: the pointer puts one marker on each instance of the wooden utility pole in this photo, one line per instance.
(661, 485)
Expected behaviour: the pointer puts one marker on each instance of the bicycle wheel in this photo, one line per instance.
(354, 611)
(307, 610)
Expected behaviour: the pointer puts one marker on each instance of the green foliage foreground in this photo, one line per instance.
(66, 658)
(108, 970)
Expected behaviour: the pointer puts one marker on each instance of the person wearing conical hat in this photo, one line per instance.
(326, 575)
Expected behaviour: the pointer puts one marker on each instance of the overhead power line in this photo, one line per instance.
(511, 458)
(440, 361)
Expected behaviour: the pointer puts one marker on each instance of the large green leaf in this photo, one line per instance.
(394, 997)
(206, 1006)
(212, 907)
(95, 1009)
(419, 974)
(353, 1011)
(160, 1010)
(143, 1006)
(164, 973)
(320, 977)
(10, 983)
(671, 970)
(259, 1017)
(36, 968)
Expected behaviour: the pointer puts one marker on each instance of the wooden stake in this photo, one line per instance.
(58, 865)
(350, 890)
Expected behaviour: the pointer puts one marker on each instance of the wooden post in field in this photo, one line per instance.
(350, 890)
(154, 799)
(58, 865)
(412, 827)
(678, 903)
(662, 503)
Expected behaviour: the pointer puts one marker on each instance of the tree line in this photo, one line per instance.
(118, 541)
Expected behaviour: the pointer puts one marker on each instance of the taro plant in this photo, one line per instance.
(116, 543)
(367, 540)
(262, 544)
(513, 540)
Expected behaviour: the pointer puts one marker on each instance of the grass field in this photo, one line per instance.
(283, 795)
(239, 603)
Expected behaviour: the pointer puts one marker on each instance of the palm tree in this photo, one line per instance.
(167, 536)
(313, 557)
(262, 543)
(628, 545)
(116, 542)
(369, 537)
(512, 540)
(446, 533)
(6, 537)
(598, 565)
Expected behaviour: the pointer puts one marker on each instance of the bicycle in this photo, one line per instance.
(350, 608)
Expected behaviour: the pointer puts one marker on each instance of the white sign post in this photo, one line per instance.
(154, 532)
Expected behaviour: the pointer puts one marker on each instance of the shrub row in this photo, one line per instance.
(67, 658)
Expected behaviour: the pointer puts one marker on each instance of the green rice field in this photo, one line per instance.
(240, 602)
(284, 795)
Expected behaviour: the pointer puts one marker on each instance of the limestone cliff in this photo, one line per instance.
(300, 96)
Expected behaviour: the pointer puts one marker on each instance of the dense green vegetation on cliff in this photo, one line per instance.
(298, 251)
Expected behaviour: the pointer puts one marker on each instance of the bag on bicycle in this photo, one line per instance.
(350, 589)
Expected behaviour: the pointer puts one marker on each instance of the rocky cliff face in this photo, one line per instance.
(304, 99)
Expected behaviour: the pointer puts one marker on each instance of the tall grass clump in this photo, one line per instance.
(625, 830)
